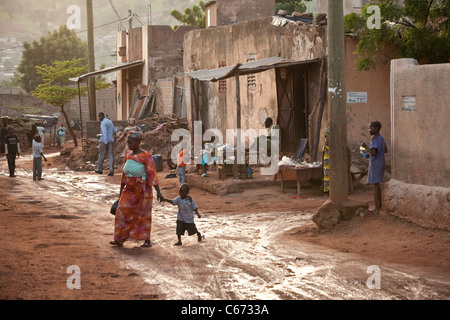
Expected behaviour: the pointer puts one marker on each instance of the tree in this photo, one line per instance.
(194, 16)
(59, 45)
(418, 29)
(290, 6)
(55, 89)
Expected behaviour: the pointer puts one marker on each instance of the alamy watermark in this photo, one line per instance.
(374, 21)
(74, 281)
(266, 150)
(74, 20)
(374, 281)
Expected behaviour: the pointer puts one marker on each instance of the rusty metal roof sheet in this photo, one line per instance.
(115, 68)
(245, 68)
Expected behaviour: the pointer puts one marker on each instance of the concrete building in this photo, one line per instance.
(419, 189)
(291, 92)
(223, 12)
(152, 81)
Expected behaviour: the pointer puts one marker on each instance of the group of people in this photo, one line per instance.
(10, 145)
(133, 216)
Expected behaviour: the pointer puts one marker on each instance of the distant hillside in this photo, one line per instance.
(29, 20)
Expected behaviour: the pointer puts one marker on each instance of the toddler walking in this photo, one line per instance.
(185, 218)
(37, 158)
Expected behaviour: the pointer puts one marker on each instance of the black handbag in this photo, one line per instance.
(114, 207)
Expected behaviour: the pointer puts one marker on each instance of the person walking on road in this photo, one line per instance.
(133, 218)
(37, 158)
(106, 144)
(185, 218)
(12, 148)
(61, 135)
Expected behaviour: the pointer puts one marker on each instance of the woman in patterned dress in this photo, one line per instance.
(133, 217)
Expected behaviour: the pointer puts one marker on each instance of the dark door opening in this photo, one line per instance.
(292, 106)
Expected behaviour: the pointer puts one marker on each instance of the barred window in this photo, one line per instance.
(222, 83)
(251, 78)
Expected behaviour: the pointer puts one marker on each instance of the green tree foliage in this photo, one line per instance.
(290, 6)
(194, 16)
(59, 45)
(55, 89)
(419, 29)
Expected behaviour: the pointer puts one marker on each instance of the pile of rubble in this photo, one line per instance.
(157, 140)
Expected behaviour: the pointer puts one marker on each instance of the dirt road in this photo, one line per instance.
(260, 244)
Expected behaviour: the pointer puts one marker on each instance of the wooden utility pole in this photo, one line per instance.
(238, 123)
(91, 60)
(130, 19)
(337, 103)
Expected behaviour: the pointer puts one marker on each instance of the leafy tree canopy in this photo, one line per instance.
(418, 29)
(290, 6)
(194, 16)
(59, 45)
(55, 89)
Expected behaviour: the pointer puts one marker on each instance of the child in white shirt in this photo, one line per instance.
(37, 158)
(185, 219)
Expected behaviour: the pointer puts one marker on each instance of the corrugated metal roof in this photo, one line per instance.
(245, 68)
(115, 68)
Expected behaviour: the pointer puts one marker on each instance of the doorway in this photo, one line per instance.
(292, 98)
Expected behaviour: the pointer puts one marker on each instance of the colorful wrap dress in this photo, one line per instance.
(133, 217)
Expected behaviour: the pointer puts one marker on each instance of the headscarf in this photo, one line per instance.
(135, 135)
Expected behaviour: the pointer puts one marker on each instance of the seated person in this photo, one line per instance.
(265, 142)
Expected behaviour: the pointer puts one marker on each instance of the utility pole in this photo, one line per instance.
(337, 103)
(130, 19)
(91, 60)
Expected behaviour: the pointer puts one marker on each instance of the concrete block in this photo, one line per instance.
(348, 208)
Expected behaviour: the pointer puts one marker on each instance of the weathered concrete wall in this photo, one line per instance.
(165, 51)
(375, 83)
(229, 45)
(231, 11)
(207, 49)
(105, 103)
(420, 190)
(424, 205)
(419, 130)
(161, 48)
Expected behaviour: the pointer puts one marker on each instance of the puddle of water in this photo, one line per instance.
(242, 256)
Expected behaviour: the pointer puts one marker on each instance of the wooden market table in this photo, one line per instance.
(298, 174)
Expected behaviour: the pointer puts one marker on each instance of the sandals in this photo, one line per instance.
(146, 245)
(118, 244)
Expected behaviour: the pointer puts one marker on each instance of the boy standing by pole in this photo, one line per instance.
(377, 164)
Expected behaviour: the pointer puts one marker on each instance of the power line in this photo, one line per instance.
(115, 10)
(105, 24)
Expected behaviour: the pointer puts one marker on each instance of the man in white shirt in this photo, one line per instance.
(106, 144)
